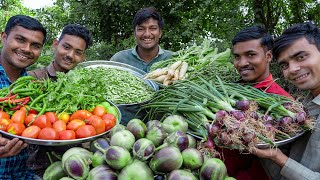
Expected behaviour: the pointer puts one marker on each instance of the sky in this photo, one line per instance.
(36, 4)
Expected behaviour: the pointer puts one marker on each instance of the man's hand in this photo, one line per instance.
(273, 154)
(10, 147)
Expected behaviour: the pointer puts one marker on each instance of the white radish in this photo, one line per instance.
(175, 65)
(171, 72)
(160, 79)
(156, 73)
(167, 82)
(176, 74)
(183, 70)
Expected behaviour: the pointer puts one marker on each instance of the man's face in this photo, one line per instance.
(251, 60)
(300, 64)
(148, 34)
(21, 47)
(68, 52)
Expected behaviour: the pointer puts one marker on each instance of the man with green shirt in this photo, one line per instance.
(148, 25)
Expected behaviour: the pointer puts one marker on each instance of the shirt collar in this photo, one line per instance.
(311, 99)
(265, 83)
(3, 72)
(50, 69)
(134, 52)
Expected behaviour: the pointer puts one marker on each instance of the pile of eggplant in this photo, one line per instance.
(155, 150)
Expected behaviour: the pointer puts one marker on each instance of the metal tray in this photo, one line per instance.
(60, 142)
(117, 65)
(264, 145)
(279, 143)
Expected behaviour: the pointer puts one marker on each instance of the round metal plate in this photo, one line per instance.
(60, 142)
(279, 143)
(116, 65)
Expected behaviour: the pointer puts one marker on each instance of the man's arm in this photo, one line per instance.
(290, 168)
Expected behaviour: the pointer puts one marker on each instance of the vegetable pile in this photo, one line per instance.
(198, 60)
(140, 151)
(52, 126)
(78, 89)
(99, 84)
(232, 115)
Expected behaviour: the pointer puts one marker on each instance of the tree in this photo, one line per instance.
(10, 8)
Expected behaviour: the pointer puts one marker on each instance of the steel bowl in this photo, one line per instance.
(129, 111)
(125, 67)
(263, 145)
(279, 143)
(60, 142)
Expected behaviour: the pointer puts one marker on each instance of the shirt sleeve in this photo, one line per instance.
(296, 171)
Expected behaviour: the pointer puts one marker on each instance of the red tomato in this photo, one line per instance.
(33, 111)
(97, 123)
(80, 114)
(64, 117)
(75, 124)
(42, 122)
(19, 116)
(48, 133)
(99, 110)
(31, 132)
(23, 108)
(4, 115)
(109, 120)
(85, 131)
(67, 135)
(59, 125)
(4, 123)
(51, 116)
(109, 116)
(3, 128)
(29, 119)
(16, 128)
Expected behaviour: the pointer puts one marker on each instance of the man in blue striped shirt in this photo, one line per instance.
(22, 43)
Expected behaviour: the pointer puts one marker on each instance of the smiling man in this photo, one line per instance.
(148, 26)
(252, 56)
(69, 51)
(297, 51)
(22, 42)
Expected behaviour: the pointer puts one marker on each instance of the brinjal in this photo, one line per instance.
(166, 160)
(181, 174)
(137, 128)
(143, 149)
(102, 172)
(213, 169)
(175, 123)
(123, 139)
(192, 158)
(117, 157)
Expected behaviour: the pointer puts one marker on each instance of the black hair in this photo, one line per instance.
(77, 30)
(306, 30)
(254, 32)
(144, 14)
(25, 22)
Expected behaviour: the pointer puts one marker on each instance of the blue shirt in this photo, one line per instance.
(131, 57)
(14, 167)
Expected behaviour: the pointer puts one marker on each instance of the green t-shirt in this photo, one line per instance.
(131, 57)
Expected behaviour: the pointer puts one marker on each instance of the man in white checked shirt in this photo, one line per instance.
(297, 51)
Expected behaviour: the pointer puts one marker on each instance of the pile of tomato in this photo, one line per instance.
(62, 126)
